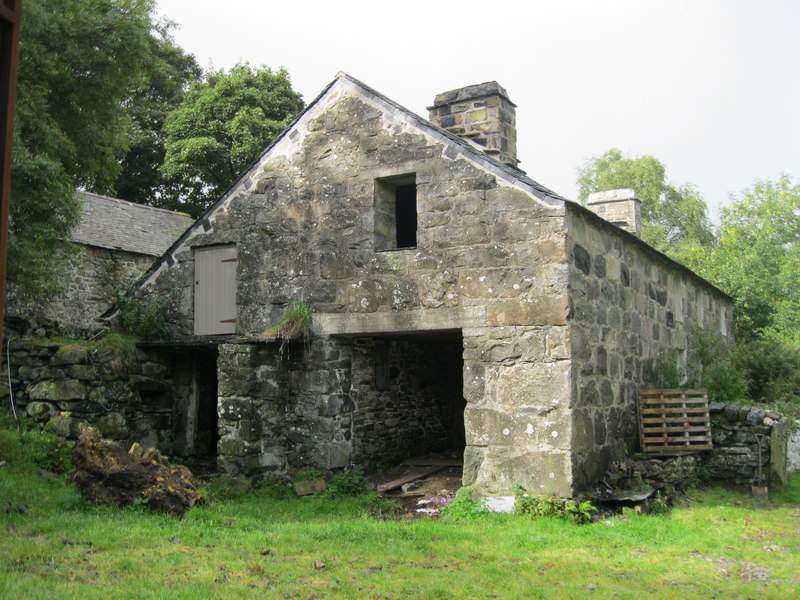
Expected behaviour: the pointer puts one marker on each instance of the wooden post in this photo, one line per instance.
(10, 13)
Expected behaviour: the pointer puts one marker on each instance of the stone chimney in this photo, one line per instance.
(620, 207)
(482, 114)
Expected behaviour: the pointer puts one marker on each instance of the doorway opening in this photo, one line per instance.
(410, 397)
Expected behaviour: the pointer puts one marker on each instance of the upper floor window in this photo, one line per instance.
(396, 212)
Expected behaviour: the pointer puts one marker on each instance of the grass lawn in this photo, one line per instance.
(720, 544)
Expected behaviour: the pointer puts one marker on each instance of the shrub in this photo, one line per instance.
(772, 373)
(536, 507)
(141, 316)
(466, 506)
(348, 483)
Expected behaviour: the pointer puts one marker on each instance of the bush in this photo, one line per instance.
(536, 507)
(141, 316)
(772, 373)
(348, 483)
(716, 369)
(465, 506)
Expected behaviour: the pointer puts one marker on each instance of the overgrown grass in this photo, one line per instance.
(719, 544)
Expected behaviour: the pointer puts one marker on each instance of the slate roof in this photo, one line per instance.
(121, 225)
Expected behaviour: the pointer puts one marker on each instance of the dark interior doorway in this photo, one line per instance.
(410, 397)
(207, 428)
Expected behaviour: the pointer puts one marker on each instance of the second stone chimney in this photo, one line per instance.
(482, 114)
(620, 207)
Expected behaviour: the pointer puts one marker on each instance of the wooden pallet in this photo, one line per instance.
(674, 421)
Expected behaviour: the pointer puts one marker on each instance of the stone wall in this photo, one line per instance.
(737, 433)
(90, 287)
(629, 306)
(126, 393)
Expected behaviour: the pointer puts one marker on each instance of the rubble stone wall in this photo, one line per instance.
(127, 394)
(629, 306)
(90, 287)
(737, 432)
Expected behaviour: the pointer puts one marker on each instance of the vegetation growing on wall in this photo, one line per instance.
(293, 324)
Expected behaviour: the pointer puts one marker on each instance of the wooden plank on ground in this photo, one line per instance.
(396, 483)
(421, 461)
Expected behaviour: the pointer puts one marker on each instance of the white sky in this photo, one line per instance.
(709, 87)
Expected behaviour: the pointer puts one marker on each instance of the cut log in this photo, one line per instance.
(107, 474)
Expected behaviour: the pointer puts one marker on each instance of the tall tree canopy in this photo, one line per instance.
(672, 216)
(757, 260)
(79, 59)
(159, 89)
(221, 126)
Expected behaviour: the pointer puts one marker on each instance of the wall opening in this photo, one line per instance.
(195, 384)
(395, 210)
(410, 397)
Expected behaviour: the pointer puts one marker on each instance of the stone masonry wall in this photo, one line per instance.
(91, 284)
(490, 259)
(628, 307)
(126, 394)
(737, 433)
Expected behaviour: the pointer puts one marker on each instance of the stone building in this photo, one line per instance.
(457, 303)
(117, 241)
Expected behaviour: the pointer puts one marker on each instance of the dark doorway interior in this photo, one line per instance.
(410, 397)
(206, 429)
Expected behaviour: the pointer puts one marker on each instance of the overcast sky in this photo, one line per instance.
(709, 87)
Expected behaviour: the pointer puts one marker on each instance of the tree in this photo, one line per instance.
(78, 61)
(221, 126)
(159, 90)
(672, 216)
(757, 260)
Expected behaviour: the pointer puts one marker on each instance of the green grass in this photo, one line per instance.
(719, 545)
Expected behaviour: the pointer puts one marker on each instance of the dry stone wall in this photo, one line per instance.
(629, 306)
(127, 394)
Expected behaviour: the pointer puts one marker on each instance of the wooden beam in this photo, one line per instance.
(9, 61)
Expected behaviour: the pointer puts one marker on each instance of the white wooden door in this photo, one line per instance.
(215, 290)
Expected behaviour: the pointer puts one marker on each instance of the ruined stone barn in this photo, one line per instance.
(457, 303)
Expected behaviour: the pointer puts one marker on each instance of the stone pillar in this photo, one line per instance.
(482, 114)
(518, 419)
(620, 207)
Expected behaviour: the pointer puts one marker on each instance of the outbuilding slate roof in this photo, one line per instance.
(121, 225)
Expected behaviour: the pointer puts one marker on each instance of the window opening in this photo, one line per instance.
(396, 212)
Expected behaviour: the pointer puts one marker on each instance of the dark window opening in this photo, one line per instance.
(406, 215)
(395, 211)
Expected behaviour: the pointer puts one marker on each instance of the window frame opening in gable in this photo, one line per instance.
(395, 212)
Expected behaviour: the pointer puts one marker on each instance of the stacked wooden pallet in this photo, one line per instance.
(674, 421)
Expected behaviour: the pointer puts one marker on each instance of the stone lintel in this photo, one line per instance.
(400, 321)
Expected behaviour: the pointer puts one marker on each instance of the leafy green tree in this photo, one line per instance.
(672, 216)
(78, 61)
(221, 126)
(159, 90)
(757, 260)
